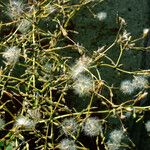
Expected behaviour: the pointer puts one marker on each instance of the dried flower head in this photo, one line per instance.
(34, 113)
(125, 39)
(24, 122)
(92, 126)
(83, 85)
(11, 55)
(67, 144)
(69, 126)
(122, 21)
(81, 65)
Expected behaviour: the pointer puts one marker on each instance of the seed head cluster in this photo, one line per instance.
(82, 83)
(138, 83)
(91, 127)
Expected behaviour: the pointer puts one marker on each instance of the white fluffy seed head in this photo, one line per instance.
(83, 85)
(15, 9)
(101, 16)
(147, 126)
(11, 55)
(112, 146)
(69, 126)
(81, 65)
(139, 82)
(116, 136)
(67, 144)
(92, 126)
(24, 122)
(127, 87)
